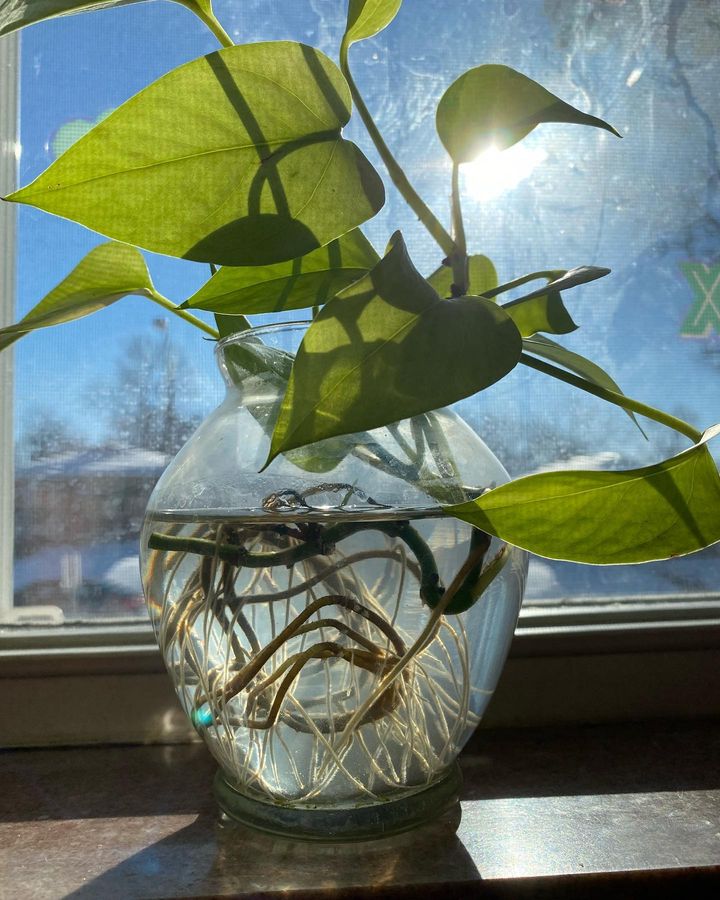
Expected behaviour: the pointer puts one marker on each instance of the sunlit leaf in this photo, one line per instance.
(544, 313)
(481, 274)
(366, 18)
(495, 106)
(632, 516)
(15, 14)
(543, 309)
(570, 279)
(106, 274)
(548, 275)
(252, 362)
(544, 347)
(235, 158)
(388, 347)
(308, 281)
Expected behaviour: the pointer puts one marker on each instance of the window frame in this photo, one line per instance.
(606, 660)
(9, 111)
(106, 683)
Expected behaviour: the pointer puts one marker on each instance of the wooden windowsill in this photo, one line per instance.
(612, 811)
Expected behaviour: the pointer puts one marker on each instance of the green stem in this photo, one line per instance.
(206, 15)
(459, 257)
(402, 443)
(448, 482)
(613, 397)
(188, 317)
(430, 588)
(398, 177)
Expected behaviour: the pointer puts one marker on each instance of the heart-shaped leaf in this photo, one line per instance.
(544, 347)
(366, 18)
(632, 516)
(235, 158)
(481, 274)
(388, 348)
(540, 313)
(543, 309)
(109, 272)
(253, 361)
(495, 106)
(308, 281)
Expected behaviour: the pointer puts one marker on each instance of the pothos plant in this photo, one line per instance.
(276, 200)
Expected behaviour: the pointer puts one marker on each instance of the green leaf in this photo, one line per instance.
(109, 272)
(251, 360)
(495, 106)
(308, 281)
(15, 14)
(366, 18)
(632, 516)
(235, 158)
(544, 313)
(481, 272)
(543, 309)
(544, 347)
(388, 348)
(570, 279)
(549, 275)
(227, 325)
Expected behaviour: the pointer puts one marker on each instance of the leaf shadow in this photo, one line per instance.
(260, 228)
(665, 485)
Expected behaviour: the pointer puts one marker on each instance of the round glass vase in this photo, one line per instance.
(294, 607)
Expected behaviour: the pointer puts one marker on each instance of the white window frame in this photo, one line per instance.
(9, 85)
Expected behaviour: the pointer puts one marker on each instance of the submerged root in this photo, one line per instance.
(258, 650)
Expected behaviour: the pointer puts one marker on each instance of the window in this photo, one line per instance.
(89, 445)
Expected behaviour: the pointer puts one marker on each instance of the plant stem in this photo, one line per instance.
(398, 177)
(206, 15)
(188, 317)
(613, 397)
(459, 258)
(321, 545)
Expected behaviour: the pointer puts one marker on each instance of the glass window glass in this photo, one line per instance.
(102, 404)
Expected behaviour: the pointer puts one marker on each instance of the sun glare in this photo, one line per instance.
(496, 171)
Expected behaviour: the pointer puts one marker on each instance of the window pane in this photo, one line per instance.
(103, 403)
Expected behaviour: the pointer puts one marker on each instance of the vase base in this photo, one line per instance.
(346, 823)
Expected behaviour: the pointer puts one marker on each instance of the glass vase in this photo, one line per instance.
(294, 606)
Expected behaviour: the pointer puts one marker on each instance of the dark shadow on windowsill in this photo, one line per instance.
(118, 782)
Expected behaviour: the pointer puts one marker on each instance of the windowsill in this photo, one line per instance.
(583, 812)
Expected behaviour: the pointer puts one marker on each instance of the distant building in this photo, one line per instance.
(77, 516)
